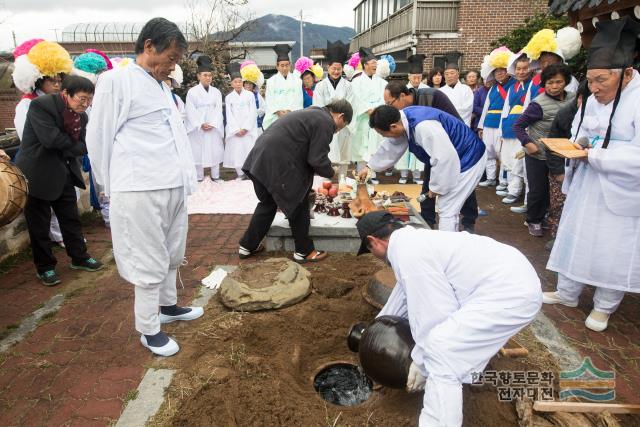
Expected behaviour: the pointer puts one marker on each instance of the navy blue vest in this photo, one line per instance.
(469, 147)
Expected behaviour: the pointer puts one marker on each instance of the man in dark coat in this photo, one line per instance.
(282, 165)
(52, 145)
(399, 96)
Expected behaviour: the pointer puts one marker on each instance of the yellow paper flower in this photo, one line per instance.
(317, 70)
(250, 73)
(50, 58)
(499, 59)
(542, 41)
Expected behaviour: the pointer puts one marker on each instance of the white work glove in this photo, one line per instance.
(415, 380)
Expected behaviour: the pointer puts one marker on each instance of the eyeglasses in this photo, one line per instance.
(393, 101)
(83, 100)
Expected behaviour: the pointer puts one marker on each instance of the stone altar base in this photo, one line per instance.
(329, 233)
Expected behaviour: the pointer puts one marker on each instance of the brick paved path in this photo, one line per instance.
(80, 365)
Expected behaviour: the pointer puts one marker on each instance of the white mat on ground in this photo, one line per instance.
(228, 197)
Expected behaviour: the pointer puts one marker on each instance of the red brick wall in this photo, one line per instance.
(8, 100)
(479, 23)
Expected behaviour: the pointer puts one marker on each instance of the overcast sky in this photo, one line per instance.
(41, 18)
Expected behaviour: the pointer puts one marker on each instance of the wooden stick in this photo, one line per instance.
(514, 352)
(613, 408)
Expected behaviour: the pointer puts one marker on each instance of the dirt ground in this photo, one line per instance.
(252, 369)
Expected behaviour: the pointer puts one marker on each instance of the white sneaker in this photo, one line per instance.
(418, 181)
(554, 298)
(501, 187)
(519, 209)
(502, 193)
(402, 181)
(597, 321)
(169, 349)
(487, 183)
(509, 199)
(388, 173)
(191, 315)
(375, 181)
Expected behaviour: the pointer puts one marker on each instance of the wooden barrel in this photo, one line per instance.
(13, 192)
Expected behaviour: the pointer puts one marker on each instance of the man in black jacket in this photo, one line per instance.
(52, 144)
(282, 164)
(398, 95)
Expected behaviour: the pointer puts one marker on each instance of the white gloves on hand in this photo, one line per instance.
(415, 380)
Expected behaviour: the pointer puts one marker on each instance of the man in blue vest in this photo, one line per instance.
(456, 155)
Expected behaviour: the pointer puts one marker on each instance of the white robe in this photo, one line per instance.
(464, 295)
(136, 138)
(241, 114)
(368, 93)
(324, 93)
(461, 96)
(420, 86)
(202, 107)
(282, 94)
(598, 239)
(446, 179)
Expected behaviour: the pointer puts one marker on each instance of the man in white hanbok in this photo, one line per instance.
(599, 233)
(460, 95)
(330, 89)
(409, 162)
(464, 295)
(283, 93)
(204, 121)
(241, 125)
(368, 93)
(456, 155)
(140, 153)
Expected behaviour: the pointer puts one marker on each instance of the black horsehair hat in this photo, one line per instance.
(282, 50)
(233, 69)
(204, 63)
(337, 52)
(366, 55)
(614, 45)
(416, 63)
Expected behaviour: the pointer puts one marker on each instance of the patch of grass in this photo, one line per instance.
(43, 364)
(90, 217)
(7, 331)
(130, 395)
(75, 292)
(12, 260)
(237, 356)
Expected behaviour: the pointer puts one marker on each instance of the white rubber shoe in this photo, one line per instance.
(191, 315)
(169, 349)
(597, 321)
(554, 298)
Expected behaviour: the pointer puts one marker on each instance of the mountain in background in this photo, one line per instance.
(285, 28)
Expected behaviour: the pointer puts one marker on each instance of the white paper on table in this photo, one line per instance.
(213, 280)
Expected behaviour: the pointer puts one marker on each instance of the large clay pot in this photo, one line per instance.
(384, 349)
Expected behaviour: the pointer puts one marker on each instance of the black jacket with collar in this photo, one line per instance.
(47, 153)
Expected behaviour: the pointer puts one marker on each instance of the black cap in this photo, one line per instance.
(366, 55)
(204, 63)
(337, 52)
(614, 45)
(282, 50)
(416, 64)
(233, 69)
(369, 224)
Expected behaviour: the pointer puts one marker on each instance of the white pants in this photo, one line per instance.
(442, 403)
(604, 300)
(449, 205)
(405, 173)
(491, 139)
(149, 233)
(54, 229)
(215, 172)
(518, 180)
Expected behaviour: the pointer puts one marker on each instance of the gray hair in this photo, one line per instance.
(162, 33)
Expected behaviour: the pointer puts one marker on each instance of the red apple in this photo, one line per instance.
(333, 191)
(326, 184)
(323, 191)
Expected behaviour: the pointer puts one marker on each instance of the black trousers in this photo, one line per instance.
(469, 209)
(538, 195)
(262, 219)
(38, 216)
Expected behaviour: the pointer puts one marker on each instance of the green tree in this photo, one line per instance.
(520, 36)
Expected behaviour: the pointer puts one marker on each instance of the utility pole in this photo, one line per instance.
(15, 44)
(301, 34)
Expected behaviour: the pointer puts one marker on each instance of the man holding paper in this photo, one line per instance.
(599, 233)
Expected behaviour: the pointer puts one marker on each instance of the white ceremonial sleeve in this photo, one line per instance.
(270, 98)
(445, 163)
(396, 305)
(485, 109)
(234, 124)
(466, 104)
(319, 98)
(388, 153)
(218, 117)
(194, 117)
(261, 106)
(618, 169)
(109, 112)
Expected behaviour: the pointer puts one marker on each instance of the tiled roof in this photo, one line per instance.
(559, 7)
